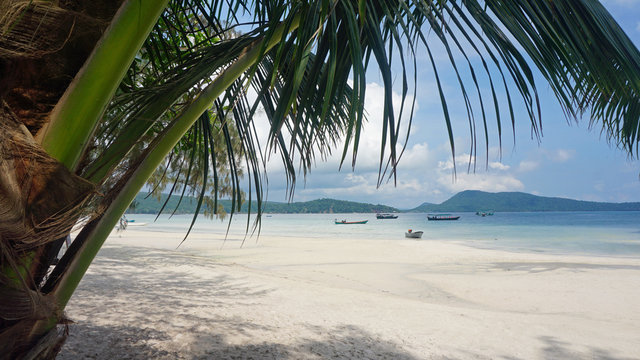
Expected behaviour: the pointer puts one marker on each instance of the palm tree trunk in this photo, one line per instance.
(40, 199)
(67, 275)
(37, 326)
(39, 202)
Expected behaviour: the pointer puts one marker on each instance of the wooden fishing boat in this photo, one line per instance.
(442, 217)
(350, 222)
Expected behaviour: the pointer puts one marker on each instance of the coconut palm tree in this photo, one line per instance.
(96, 95)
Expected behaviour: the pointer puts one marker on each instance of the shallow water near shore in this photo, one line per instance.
(606, 233)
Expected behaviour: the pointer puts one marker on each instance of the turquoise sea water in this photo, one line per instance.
(593, 233)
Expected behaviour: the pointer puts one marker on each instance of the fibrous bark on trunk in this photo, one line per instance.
(40, 201)
(43, 44)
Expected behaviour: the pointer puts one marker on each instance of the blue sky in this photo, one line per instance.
(570, 161)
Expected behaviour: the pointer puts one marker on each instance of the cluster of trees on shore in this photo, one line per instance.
(145, 204)
(465, 201)
(98, 98)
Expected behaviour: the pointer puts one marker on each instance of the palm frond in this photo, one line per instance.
(308, 63)
(588, 60)
(312, 84)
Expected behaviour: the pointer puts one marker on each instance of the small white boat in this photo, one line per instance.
(124, 223)
(413, 234)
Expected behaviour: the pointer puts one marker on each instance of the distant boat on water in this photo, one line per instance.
(386, 216)
(350, 222)
(413, 234)
(435, 217)
(124, 223)
(484, 213)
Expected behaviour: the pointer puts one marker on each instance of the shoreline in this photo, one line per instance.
(284, 298)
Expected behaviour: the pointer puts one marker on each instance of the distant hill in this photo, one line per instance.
(150, 205)
(326, 206)
(473, 200)
(465, 201)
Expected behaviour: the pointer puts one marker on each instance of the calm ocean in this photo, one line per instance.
(592, 233)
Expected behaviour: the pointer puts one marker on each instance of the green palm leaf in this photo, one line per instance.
(186, 92)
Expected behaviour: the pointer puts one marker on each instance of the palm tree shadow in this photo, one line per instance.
(118, 342)
(122, 311)
(556, 349)
(539, 267)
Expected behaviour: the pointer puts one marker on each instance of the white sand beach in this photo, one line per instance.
(300, 298)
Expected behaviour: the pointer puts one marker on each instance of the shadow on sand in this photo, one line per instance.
(122, 311)
(127, 342)
(556, 349)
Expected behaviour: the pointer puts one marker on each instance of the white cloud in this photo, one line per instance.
(563, 155)
(542, 155)
(560, 155)
(498, 166)
(423, 172)
(482, 180)
(371, 136)
(526, 166)
(417, 155)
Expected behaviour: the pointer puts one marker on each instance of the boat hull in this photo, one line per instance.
(414, 234)
(350, 222)
(386, 216)
(442, 217)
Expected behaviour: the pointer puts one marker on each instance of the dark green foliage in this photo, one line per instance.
(465, 201)
(326, 206)
(473, 200)
(151, 205)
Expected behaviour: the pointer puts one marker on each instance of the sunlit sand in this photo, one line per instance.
(299, 298)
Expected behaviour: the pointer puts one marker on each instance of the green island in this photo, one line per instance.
(464, 201)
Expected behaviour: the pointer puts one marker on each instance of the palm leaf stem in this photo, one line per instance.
(76, 115)
(63, 282)
(141, 120)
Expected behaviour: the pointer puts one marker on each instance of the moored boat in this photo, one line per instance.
(484, 213)
(442, 217)
(386, 216)
(413, 234)
(123, 223)
(350, 222)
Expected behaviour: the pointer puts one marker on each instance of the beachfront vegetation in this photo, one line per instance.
(97, 94)
(465, 201)
(473, 200)
(146, 204)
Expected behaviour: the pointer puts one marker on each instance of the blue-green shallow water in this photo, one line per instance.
(593, 233)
